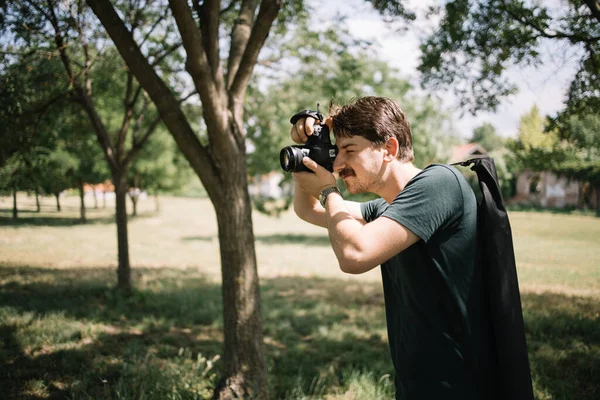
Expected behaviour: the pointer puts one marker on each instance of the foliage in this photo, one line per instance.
(328, 64)
(487, 137)
(568, 146)
(160, 167)
(477, 41)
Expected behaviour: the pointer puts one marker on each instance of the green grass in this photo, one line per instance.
(65, 333)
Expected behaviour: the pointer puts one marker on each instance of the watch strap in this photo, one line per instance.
(326, 192)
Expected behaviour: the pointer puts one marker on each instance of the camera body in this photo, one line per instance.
(318, 146)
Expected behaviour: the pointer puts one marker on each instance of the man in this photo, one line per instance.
(422, 231)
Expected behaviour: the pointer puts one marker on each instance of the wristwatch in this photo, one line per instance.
(326, 192)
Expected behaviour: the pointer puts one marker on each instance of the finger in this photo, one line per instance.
(310, 164)
(294, 135)
(308, 126)
(329, 123)
(300, 130)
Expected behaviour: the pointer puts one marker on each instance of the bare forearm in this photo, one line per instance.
(343, 234)
(308, 208)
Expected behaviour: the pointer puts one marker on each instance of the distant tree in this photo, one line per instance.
(29, 98)
(56, 173)
(116, 107)
(486, 136)
(159, 168)
(579, 155)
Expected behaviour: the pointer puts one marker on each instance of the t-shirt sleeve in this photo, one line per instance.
(432, 200)
(371, 210)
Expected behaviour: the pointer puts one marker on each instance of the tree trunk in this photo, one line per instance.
(57, 195)
(245, 373)
(597, 189)
(95, 197)
(156, 203)
(37, 200)
(82, 218)
(124, 269)
(221, 166)
(134, 200)
(15, 213)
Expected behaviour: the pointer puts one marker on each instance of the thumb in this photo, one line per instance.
(310, 164)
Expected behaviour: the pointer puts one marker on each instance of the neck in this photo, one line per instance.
(397, 178)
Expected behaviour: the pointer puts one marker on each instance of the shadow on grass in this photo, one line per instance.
(32, 218)
(306, 240)
(66, 333)
(301, 239)
(198, 238)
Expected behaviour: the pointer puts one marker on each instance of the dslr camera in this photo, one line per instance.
(318, 147)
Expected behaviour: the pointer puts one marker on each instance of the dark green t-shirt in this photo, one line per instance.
(439, 207)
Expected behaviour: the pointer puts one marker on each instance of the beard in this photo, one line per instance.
(353, 185)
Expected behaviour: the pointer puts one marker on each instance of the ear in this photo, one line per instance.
(391, 148)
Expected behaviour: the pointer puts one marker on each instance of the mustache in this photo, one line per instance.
(346, 172)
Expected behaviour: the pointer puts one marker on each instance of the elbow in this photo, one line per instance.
(301, 212)
(352, 263)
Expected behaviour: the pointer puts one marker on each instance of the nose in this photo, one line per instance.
(339, 163)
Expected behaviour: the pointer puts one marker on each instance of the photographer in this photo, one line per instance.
(422, 231)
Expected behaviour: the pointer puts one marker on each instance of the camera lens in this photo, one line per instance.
(290, 158)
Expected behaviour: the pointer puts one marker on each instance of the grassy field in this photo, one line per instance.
(64, 332)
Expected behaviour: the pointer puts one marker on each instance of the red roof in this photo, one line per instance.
(466, 151)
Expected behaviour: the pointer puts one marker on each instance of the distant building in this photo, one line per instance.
(268, 186)
(466, 151)
(546, 189)
(105, 189)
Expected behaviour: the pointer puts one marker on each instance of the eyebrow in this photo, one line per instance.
(347, 145)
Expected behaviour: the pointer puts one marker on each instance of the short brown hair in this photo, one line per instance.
(377, 119)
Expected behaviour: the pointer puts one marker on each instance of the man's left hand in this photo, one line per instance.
(314, 183)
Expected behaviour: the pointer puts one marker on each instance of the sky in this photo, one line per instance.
(545, 86)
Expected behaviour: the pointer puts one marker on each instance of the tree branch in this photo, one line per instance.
(160, 57)
(209, 14)
(184, 98)
(594, 6)
(266, 15)
(199, 69)
(158, 21)
(81, 95)
(165, 102)
(240, 34)
(543, 33)
(127, 113)
(139, 145)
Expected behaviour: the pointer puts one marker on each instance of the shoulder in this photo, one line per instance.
(436, 174)
(436, 180)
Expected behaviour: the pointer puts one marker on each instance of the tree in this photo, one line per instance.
(67, 31)
(487, 137)
(56, 174)
(579, 155)
(29, 99)
(220, 161)
(477, 41)
(159, 168)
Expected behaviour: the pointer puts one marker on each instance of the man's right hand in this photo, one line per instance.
(302, 129)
